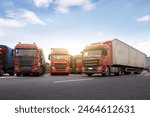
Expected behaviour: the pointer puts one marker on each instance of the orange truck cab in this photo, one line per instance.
(76, 64)
(28, 60)
(60, 61)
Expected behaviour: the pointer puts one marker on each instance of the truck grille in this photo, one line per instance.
(26, 61)
(60, 66)
(91, 63)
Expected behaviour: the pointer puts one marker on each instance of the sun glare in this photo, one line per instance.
(74, 48)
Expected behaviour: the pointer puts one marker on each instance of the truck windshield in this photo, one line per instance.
(26, 52)
(95, 53)
(64, 57)
(79, 60)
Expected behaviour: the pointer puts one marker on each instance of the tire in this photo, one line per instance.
(38, 74)
(127, 73)
(67, 74)
(119, 73)
(52, 74)
(107, 71)
(26, 74)
(18, 74)
(89, 74)
(1, 72)
(11, 73)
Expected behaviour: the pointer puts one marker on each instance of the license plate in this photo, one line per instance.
(90, 68)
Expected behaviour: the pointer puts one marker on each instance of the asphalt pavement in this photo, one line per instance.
(75, 87)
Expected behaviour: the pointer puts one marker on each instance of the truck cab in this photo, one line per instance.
(96, 57)
(29, 60)
(60, 61)
(76, 64)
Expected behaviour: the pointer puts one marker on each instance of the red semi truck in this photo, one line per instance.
(60, 61)
(76, 64)
(28, 60)
(112, 56)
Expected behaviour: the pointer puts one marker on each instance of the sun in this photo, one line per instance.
(74, 48)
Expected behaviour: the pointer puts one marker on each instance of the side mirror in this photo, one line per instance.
(49, 57)
(12, 52)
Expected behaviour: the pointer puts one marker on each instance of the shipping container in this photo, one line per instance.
(126, 55)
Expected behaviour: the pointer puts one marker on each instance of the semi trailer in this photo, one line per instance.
(6, 60)
(60, 61)
(28, 60)
(114, 57)
(148, 64)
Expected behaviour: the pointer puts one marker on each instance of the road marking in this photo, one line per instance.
(46, 75)
(147, 75)
(6, 77)
(63, 81)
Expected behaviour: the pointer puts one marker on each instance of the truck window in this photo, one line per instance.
(79, 60)
(26, 52)
(89, 53)
(65, 57)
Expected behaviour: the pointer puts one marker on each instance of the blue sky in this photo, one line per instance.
(75, 23)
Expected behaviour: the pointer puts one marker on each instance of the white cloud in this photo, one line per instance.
(50, 20)
(25, 16)
(42, 3)
(10, 23)
(62, 9)
(64, 5)
(144, 18)
(18, 18)
(31, 17)
(88, 6)
(2, 34)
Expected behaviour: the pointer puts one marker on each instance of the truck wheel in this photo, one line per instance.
(89, 74)
(26, 74)
(1, 72)
(37, 74)
(107, 71)
(52, 74)
(127, 73)
(119, 72)
(18, 74)
(11, 73)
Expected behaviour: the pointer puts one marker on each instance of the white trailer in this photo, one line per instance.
(125, 55)
(148, 64)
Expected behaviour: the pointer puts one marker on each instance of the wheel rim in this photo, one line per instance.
(107, 71)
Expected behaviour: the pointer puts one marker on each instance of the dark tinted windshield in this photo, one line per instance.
(1, 56)
(26, 52)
